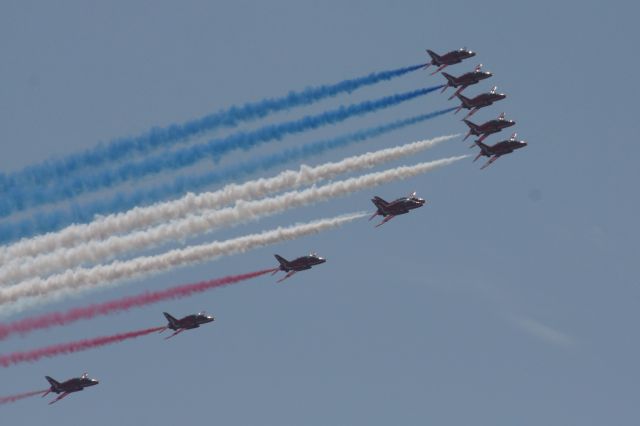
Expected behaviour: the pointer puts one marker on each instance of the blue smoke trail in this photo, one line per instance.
(52, 221)
(19, 199)
(44, 173)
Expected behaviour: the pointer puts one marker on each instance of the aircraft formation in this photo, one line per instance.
(476, 103)
(77, 384)
(387, 209)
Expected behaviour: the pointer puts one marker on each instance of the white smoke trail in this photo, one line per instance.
(142, 217)
(98, 251)
(74, 280)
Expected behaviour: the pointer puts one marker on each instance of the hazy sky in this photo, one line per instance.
(511, 298)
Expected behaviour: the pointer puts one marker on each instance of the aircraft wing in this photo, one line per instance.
(488, 163)
(175, 333)
(440, 68)
(290, 273)
(458, 91)
(62, 395)
(386, 219)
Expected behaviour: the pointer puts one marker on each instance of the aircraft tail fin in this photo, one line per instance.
(464, 102)
(380, 206)
(463, 99)
(451, 79)
(484, 149)
(473, 129)
(54, 384)
(472, 126)
(283, 262)
(172, 321)
(379, 202)
(433, 55)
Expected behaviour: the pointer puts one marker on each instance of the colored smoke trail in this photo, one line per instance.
(101, 250)
(106, 308)
(52, 220)
(18, 397)
(74, 280)
(71, 347)
(215, 149)
(43, 173)
(47, 245)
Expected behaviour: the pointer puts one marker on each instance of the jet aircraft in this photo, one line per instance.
(480, 101)
(72, 385)
(296, 265)
(186, 323)
(449, 58)
(465, 80)
(485, 129)
(498, 150)
(389, 210)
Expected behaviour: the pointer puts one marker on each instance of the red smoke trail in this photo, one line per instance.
(14, 398)
(67, 348)
(62, 318)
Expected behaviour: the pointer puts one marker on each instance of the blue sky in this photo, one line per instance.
(511, 298)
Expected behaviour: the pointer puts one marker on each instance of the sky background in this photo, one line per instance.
(511, 298)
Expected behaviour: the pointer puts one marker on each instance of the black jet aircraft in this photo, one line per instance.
(396, 207)
(485, 129)
(498, 150)
(72, 385)
(296, 265)
(465, 80)
(480, 101)
(186, 323)
(449, 58)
